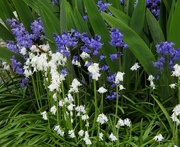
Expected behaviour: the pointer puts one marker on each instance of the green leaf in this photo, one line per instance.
(101, 29)
(119, 14)
(24, 13)
(66, 22)
(79, 22)
(6, 11)
(174, 29)
(116, 4)
(33, 4)
(5, 34)
(154, 27)
(167, 4)
(164, 111)
(6, 54)
(136, 44)
(137, 19)
(50, 23)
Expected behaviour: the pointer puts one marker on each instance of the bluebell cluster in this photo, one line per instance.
(154, 7)
(23, 40)
(167, 53)
(23, 37)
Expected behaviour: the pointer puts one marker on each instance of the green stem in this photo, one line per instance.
(117, 101)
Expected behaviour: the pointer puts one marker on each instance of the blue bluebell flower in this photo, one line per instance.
(102, 5)
(117, 38)
(24, 81)
(16, 66)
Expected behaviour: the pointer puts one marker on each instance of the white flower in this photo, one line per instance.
(81, 133)
(112, 137)
(175, 146)
(127, 122)
(176, 110)
(85, 117)
(102, 90)
(135, 67)
(70, 107)
(94, 70)
(58, 130)
(158, 138)
(176, 71)
(119, 77)
(175, 119)
(80, 109)
(74, 86)
(55, 96)
(84, 55)
(87, 124)
(120, 123)
(61, 103)
(86, 139)
(75, 62)
(5, 66)
(152, 85)
(121, 87)
(53, 110)
(173, 86)
(101, 136)
(151, 78)
(102, 118)
(71, 133)
(44, 115)
(23, 51)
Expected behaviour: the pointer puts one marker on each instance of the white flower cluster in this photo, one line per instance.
(102, 119)
(125, 122)
(176, 113)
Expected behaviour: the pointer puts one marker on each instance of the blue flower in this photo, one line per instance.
(16, 66)
(117, 38)
(103, 6)
(24, 82)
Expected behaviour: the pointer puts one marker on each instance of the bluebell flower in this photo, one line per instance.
(12, 46)
(117, 38)
(103, 6)
(64, 41)
(24, 82)
(37, 29)
(55, 2)
(63, 71)
(85, 17)
(113, 56)
(112, 95)
(154, 7)
(168, 54)
(104, 68)
(16, 66)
